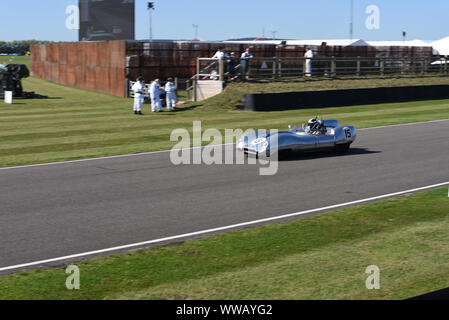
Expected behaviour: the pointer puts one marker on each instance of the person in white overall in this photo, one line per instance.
(156, 104)
(309, 56)
(171, 98)
(139, 89)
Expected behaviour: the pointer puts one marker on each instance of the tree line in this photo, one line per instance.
(19, 47)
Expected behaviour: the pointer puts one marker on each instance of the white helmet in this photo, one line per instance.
(312, 122)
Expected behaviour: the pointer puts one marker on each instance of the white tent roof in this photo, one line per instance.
(254, 41)
(441, 46)
(413, 43)
(337, 42)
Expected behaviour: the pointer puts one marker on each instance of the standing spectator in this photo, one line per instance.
(219, 54)
(139, 89)
(170, 90)
(232, 65)
(156, 104)
(222, 55)
(244, 63)
(309, 56)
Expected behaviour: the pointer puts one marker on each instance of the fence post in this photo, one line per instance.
(197, 65)
(403, 65)
(280, 67)
(127, 88)
(195, 89)
(274, 67)
(445, 64)
(358, 66)
(303, 67)
(382, 66)
(334, 67)
(425, 65)
(221, 69)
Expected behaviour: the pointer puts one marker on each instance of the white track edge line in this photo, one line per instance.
(165, 151)
(402, 124)
(140, 244)
(104, 158)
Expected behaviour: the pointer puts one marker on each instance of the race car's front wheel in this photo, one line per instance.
(342, 148)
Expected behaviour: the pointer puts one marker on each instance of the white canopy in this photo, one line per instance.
(335, 42)
(412, 43)
(441, 46)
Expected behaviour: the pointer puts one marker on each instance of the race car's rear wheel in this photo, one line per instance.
(342, 148)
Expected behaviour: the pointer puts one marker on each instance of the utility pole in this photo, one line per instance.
(195, 26)
(351, 24)
(274, 34)
(150, 9)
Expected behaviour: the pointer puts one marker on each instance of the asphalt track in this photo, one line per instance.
(68, 208)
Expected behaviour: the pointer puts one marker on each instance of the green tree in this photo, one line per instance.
(19, 47)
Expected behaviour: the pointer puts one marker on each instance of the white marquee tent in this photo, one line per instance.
(412, 43)
(337, 42)
(441, 47)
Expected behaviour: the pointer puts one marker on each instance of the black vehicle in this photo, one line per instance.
(11, 76)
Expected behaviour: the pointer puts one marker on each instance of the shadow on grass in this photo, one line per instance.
(161, 113)
(187, 108)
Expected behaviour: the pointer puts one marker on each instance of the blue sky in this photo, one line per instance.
(219, 20)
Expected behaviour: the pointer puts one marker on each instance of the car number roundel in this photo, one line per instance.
(259, 141)
(348, 133)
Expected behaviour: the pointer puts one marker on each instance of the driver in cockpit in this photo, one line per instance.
(315, 126)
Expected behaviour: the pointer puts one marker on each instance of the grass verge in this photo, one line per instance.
(321, 257)
(15, 59)
(231, 98)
